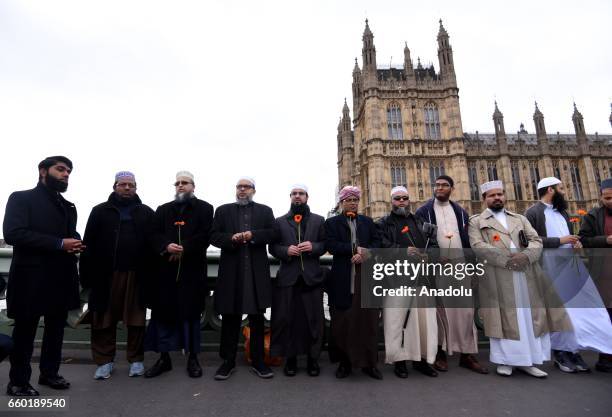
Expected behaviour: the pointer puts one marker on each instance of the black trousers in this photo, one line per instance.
(230, 332)
(24, 331)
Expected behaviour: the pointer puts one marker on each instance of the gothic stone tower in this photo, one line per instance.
(407, 131)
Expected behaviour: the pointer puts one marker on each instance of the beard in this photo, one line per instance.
(299, 208)
(55, 184)
(496, 207)
(182, 197)
(400, 211)
(559, 202)
(244, 201)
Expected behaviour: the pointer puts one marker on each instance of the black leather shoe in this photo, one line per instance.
(194, 370)
(53, 381)
(161, 366)
(313, 367)
(343, 370)
(424, 368)
(290, 368)
(400, 369)
(21, 391)
(372, 372)
(226, 370)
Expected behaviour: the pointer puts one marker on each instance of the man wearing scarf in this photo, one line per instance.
(297, 293)
(43, 279)
(114, 266)
(410, 333)
(242, 230)
(353, 329)
(596, 232)
(592, 327)
(181, 234)
(518, 309)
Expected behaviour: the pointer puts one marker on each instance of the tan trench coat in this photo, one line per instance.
(491, 242)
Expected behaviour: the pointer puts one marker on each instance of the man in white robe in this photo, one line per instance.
(590, 320)
(515, 308)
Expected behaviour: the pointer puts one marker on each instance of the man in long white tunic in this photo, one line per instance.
(514, 305)
(590, 320)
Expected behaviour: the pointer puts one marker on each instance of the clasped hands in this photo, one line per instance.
(242, 237)
(297, 250)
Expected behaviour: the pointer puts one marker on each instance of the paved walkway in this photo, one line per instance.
(458, 392)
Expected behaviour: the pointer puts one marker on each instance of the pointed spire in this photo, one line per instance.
(408, 69)
(442, 31)
(445, 54)
(576, 112)
(578, 122)
(419, 66)
(497, 113)
(356, 70)
(368, 51)
(537, 110)
(498, 120)
(346, 118)
(345, 108)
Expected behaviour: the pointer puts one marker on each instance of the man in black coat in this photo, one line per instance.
(116, 262)
(242, 230)
(181, 234)
(596, 232)
(297, 295)
(354, 330)
(43, 278)
(402, 229)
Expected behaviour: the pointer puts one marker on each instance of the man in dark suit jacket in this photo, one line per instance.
(297, 295)
(354, 329)
(242, 230)
(43, 279)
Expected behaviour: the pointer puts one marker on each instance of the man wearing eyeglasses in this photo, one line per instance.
(456, 329)
(242, 230)
(297, 297)
(181, 234)
(410, 334)
(114, 266)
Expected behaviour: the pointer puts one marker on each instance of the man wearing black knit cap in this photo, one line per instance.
(43, 280)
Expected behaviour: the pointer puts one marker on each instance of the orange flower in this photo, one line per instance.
(449, 235)
(351, 214)
(406, 229)
(181, 223)
(574, 220)
(297, 218)
(581, 212)
(496, 238)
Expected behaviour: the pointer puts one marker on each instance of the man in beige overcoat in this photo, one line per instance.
(519, 306)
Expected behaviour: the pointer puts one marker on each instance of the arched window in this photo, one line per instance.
(474, 189)
(398, 174)
(534, 171)
(575, 172)
(492, 171)
(436, 168)
(394, 122)
(432, 122)
(516, 179)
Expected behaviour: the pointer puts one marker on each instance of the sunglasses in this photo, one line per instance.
(176, 184)
(243, 187)
(405, 198)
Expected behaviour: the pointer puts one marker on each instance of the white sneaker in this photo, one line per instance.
(533, 371)
(104, 371)
(136, 369)
(504, 370)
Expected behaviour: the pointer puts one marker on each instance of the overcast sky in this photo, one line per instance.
(228, 88)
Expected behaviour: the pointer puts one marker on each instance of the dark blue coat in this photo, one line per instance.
(338, 243)
(428, 214)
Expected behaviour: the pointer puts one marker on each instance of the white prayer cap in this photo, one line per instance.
(548, 182)
(302, 187)
(185, 174)
(491, 185)
(246, 178)
(398, 190)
